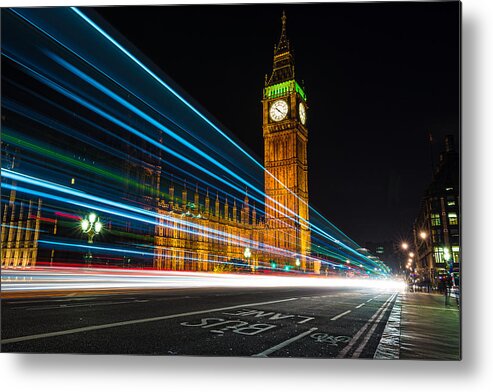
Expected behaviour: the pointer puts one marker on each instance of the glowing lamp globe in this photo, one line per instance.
(84, 224)
(98, 226)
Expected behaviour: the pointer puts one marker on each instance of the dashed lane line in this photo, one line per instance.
(38, 301)
(277, 347)
(360, 305)
(340, 315)
(89, 304)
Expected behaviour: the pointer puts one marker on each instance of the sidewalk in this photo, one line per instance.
(430, 329)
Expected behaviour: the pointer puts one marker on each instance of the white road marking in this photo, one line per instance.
(130, 322)
(37, 301)
(277, 347)
(340, 315)
(360, 305)
(63, 306)
(390, 342)
(363, 344)
(306, 319)
(356, 337)
(371, 299)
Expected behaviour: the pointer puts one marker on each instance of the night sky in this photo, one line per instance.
(379, 78)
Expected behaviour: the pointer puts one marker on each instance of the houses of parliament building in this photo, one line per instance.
(183, 238)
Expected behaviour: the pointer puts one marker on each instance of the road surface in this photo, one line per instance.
(300, 322)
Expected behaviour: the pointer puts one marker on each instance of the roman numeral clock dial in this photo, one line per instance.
(302, 112)
(279, 110)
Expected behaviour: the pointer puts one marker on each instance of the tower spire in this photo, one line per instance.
(283, 41)
(283, 68)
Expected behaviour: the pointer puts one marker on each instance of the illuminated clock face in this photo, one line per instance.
(279, 110)
(302, 112)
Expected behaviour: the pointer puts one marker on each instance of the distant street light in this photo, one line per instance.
(411, 254)
(423, 235)
(405, 245)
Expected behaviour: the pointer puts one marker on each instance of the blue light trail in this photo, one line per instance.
(87, 108)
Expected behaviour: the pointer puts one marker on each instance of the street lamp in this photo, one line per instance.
(423, 235)
(247, 253)
(405, 245)
(91, 226)
(411, 254)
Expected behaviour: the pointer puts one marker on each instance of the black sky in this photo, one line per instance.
(379, 77)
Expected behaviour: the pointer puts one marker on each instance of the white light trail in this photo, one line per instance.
(70, 279)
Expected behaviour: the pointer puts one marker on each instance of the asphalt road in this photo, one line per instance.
(265, 322)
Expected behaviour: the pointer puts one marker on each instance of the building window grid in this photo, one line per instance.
(435, 220)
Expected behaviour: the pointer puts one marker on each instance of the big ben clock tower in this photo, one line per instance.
(285, 159)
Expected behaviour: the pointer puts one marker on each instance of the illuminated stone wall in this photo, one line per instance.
(186, 239)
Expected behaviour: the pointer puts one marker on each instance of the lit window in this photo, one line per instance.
(438, 252)
(451, 203)
(449, 189)
(435, 219)
(452, 218)
(455, 254)
(72, 181)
